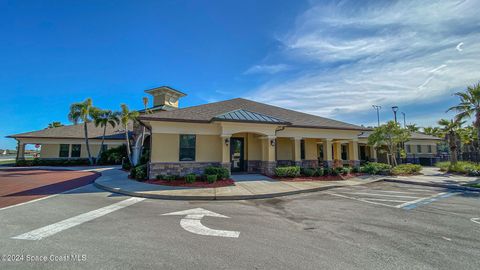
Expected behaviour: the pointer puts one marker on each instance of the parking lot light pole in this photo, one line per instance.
(395, 109)
(377, 108)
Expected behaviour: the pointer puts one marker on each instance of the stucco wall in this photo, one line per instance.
(165, 147)
(208, 148)
(50, 151)
(53, 150)
(285, 149)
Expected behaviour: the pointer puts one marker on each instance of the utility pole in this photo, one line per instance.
(404, 122)
(377, 108)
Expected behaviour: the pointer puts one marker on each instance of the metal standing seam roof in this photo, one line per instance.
(248, 116)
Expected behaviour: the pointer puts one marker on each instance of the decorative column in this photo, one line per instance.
(337, 155)
(373, 153)
(225, 141)
(297, 156)
(327, 153)
(20, 151)
(268, 155)
(354, 161)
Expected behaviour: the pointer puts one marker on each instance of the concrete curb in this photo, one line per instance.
(215, 197)
(449, 186)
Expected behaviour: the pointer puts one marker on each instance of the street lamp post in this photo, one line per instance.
(404, 122)
(395, 109)
(377, 108)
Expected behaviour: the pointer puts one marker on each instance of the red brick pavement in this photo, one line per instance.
(23, 185)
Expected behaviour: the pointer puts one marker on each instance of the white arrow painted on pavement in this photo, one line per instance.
(192, 222)
(476, 220)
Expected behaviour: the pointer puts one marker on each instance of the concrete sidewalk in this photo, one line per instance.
(117, 181)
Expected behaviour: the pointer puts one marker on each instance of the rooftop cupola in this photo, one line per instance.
(165, 98)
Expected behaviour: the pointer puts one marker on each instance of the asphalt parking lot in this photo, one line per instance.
(362, 227)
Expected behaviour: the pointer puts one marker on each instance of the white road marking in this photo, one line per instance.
(357, 199)
(421, 199)
(192, 222)
(446, 238)
(385, 200)
(384, 195)
(476, 220)
(389, 191)
(52, 229)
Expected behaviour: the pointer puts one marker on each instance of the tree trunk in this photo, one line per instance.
(129, 154)
(87, 144)
(453, 149)
(101, 145)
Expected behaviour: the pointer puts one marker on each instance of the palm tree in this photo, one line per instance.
(412, 128)
(469, 107)
(83, 112)
(451, 128)
(55, 124)
(103, 118)
(127, 116)
(432, 131)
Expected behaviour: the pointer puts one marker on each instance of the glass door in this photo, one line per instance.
(237, 154)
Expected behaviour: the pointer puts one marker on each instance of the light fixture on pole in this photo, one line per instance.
(395, 109)
(377, 108)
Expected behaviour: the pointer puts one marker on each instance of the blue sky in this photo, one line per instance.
(331, 58)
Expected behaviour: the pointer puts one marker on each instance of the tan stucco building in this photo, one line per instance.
(239, 134)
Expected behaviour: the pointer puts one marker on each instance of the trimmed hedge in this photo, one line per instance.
(221, 172)
(376, 168)
(463, 167)
(406, 169)
(190, 178)
(52, 162)
(211, 178)
(290, 171)
(139, 172)
(309, 172)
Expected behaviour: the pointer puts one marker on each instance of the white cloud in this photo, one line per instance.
(353, 55)
(268, 69)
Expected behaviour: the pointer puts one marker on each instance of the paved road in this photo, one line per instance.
(313, 231)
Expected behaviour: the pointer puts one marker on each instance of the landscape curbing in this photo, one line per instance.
(146, 194)
(449, 186)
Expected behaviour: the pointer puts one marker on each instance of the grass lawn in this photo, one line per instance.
(5, 162)
(476, 185)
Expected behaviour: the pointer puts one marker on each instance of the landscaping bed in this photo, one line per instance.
(317, 178)
(196, 184)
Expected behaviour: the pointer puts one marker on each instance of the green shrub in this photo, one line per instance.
(168, 178)
(289, 171)
(463, 167)
(345, 170)
(329, 171)
(406, 169)
(190, 178)
(474, 172)
(159, 177)
(356, 169)
(221, 172)
(377, 168)
(113, 156)
(443, 165)
(140, 172)
(309, 172)
(126, 165)
(52, 162)
(319, 172)
(211, 178)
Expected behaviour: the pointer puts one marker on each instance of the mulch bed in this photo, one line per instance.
(319, 178)
(196, 184)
